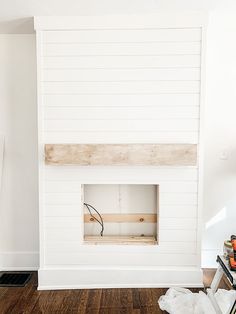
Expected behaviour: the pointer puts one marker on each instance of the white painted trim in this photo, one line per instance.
(16, 268)
(40, 146)
(19, 261)
(201, 147)
(164, 19)
(94, 277)
(111, 286)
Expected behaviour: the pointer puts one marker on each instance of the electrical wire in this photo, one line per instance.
(101, 223)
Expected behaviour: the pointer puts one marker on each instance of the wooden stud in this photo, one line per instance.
(123, 240)
(119, 218)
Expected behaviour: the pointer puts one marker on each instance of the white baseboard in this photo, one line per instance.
(92, 277)
(30, 260)
(19, 261)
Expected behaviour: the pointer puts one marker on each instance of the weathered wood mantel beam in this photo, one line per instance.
(121, 154)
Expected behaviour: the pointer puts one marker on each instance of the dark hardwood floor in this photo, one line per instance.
(95, 301)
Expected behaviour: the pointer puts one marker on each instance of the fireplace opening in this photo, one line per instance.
(120, 213)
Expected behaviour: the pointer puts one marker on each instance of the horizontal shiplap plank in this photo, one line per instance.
(121, 259)
(165, 211)
(178, 211)
(122, 61)
(62, 187)
(121, 100)
(120, 175)
(178, 187)
(177, 223)
(178, 198)
(85, 137)
(72, 246)
(122, 125)
(62, 198)
(63, 223)
(64, 75)
(129, 87)
(177, 235)
(52, 235)
(118, 113)
(120, 48)
(165, 198)
(126, 35)
(165, 187)
(62, 210)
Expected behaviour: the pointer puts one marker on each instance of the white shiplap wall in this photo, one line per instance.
(104, 82)
(121, 85)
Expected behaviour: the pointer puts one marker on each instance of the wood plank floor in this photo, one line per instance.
(95, 301)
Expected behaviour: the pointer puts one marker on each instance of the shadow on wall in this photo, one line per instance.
(17, 26)
(1, 158)
(219, 228)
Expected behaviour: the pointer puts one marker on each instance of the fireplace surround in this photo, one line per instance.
(120, 107)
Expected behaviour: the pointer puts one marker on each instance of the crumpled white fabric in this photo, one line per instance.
(224, 298)
(183, 301)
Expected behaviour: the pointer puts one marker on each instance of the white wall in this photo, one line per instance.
(220, 135)
(18, 196)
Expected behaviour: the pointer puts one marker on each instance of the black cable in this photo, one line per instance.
(101, 223)
(88, 205)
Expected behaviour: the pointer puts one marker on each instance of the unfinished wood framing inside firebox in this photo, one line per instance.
(129, 213)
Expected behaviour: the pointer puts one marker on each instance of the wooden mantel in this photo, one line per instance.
(121, 154)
